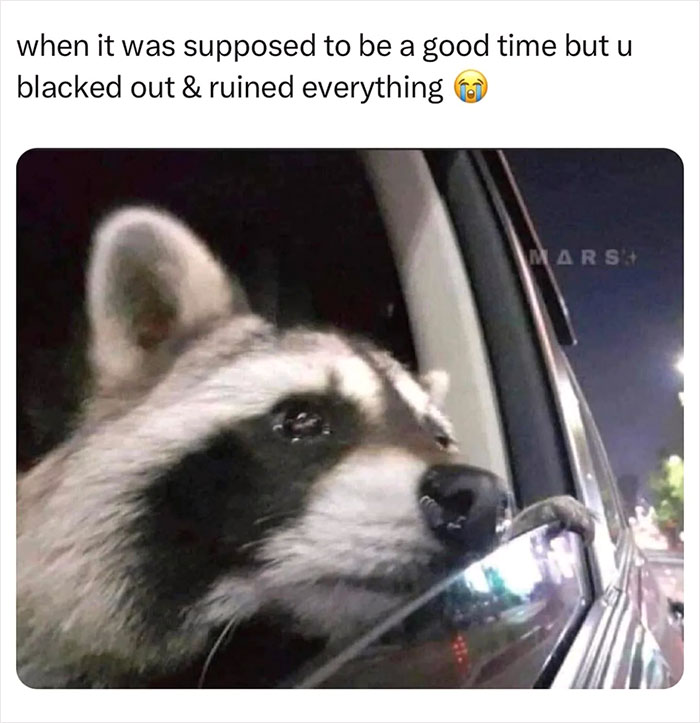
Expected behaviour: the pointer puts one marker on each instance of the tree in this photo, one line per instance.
(666, 485)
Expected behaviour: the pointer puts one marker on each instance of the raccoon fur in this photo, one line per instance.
(223, 467)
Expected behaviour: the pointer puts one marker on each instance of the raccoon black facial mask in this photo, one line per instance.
(212, 510)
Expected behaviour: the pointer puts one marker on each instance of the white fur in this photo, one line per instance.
(150, 242)
(437, 384)
(425, 399)
(360, 384)
(363, 521)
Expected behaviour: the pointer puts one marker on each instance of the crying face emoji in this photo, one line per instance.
(470, 86)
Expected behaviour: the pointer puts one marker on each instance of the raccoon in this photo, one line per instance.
(222, 468)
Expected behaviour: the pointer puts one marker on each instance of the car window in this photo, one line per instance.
(496, 624)
(604, 476)
(599, 471)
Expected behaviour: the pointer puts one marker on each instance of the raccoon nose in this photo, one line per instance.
(463, 506)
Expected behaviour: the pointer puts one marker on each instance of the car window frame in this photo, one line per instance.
(459, 178)
(478, 211)
(444, 322)
(610, 563)
(512, 319)
(601, 462)
(549, 316)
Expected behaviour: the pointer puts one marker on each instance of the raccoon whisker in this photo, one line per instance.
(230, 627)
(248, 546)
(271, 516)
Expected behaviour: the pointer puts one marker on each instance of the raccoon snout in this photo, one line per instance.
(463, 506)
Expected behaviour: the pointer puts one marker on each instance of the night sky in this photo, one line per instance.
(628, 318)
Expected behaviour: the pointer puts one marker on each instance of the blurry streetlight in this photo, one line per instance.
(680, 365)
(680, 368)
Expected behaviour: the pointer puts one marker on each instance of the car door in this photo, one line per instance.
(628, 653)
(637, 644)
(622, 649)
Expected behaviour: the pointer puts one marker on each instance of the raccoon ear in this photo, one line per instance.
(437, 383)
(150, 280)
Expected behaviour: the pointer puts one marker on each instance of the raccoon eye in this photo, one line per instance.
(299, 421)
(443, 441)
(440, 435)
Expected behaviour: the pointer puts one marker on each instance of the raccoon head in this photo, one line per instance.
(225, 467)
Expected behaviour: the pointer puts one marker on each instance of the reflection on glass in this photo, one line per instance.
(496, 624)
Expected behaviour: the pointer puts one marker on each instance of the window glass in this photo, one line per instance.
(498, 624)
(604, 477)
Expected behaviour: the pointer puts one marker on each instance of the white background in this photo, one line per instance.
(649, 100)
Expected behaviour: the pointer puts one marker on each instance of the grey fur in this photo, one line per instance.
(176, 357)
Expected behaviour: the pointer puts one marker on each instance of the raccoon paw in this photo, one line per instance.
(563, 511)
